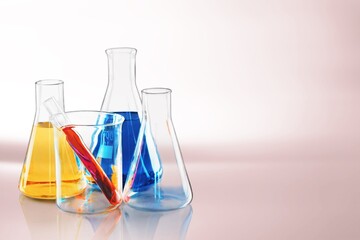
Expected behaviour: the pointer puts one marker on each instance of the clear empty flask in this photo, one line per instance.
(173, 189)
(37, 179)
(122, 97)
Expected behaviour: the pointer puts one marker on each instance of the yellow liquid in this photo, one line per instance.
(38, 179)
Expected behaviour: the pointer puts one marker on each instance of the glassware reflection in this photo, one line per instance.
(46, 221)
(94, 226)
(40, 217)
(140, 224)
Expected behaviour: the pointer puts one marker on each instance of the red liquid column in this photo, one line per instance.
(87, 158)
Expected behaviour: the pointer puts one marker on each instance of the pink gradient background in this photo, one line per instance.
(265, 102)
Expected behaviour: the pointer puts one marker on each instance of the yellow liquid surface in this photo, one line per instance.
(38, 179)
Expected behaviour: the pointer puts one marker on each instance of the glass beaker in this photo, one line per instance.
(37, 179)
(173, 189)
(122, 97)
(102, 191)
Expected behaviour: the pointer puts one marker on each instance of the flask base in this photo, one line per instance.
(162, 201)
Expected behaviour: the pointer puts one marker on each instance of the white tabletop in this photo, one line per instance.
(284, 191)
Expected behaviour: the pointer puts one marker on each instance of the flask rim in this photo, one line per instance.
(75, 115)
(121, 50)
(49, 82)
(156, 90)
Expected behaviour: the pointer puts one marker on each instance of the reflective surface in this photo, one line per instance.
(269, 191)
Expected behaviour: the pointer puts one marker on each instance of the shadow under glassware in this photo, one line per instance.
(142, 225)
(101, 191)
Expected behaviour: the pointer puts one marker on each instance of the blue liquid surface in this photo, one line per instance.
(145, 175)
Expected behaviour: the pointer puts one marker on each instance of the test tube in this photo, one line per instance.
(61, 121)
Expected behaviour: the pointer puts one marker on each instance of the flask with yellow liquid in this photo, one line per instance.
(38, 175)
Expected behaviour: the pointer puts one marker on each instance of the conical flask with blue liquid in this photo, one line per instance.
(122, 97)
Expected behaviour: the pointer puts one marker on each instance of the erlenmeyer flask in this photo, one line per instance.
(173, 189)
(122, 97)
(37, 179)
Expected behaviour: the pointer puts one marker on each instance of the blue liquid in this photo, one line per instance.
(104, 145)
(145, 175)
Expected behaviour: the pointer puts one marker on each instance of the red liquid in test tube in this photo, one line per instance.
(89, 161)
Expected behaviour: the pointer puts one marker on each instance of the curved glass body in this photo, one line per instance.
(102, 188)
(37, 179)
(171, 189)
(122, 97)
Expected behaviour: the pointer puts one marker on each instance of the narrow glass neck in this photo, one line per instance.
(122, 93)
(121, 64)
(45, 89)
(156, 104)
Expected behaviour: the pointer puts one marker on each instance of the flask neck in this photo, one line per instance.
(121, 93)
(156, 104)
(45, 89)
